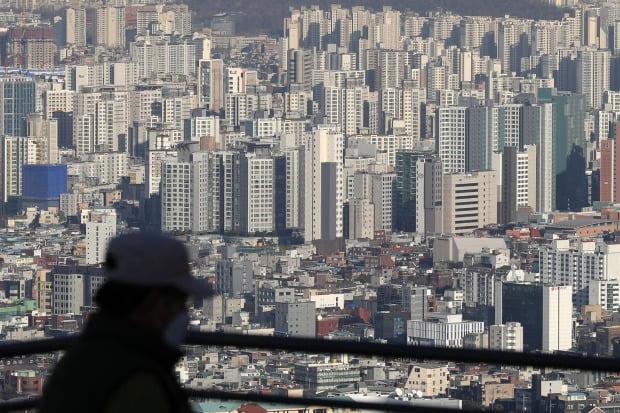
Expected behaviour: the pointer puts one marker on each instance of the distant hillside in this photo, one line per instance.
(254, 16)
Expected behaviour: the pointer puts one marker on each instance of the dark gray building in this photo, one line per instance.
(235, 277)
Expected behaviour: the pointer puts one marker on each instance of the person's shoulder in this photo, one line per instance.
(141, 392)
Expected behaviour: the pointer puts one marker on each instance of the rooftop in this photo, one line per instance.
(579, 223)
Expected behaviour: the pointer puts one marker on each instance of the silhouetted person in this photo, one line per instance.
(124, 360)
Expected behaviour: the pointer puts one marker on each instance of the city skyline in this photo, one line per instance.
(353, 171)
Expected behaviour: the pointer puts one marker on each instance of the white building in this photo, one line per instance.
(153, 167)
(57, 101)
(98, 235)
(557, 318)
(100, 120)
(238, 108)
(593, 75)
(442, 330)
(385, 143)
(190, 191)
(345, 107)
(478, 284)
(72, 291)
(75, 26)
(451, 135)
(67, 293)
(163, 55)
(17, 151)
(361, 223)
(328, 300)
(411, 110)
(506, 337)
(577, 263)
(111, 166)
(257, 193)
(323, 186)
(110, 22)
(293, 186)
(605, 293)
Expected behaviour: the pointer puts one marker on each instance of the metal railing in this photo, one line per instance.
(565, 362)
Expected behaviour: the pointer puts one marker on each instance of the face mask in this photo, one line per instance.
(176, 330)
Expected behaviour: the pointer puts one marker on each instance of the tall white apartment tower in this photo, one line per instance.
(17, 151)
(451, 135)
(190, 197)
(75, 26)
(345, 107)
(389, 28)
(411, 108)
(257, 193)
(323, 186)
(293, 185)
(98, 235)
(557, 318)
(593, 75)
(110, 27)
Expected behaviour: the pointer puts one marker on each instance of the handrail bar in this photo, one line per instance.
(310, 345)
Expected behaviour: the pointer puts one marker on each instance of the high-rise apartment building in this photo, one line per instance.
(417, 193)
(75, 26)
(390, 24)
(450, 143)
(411, 111)
(577, 263)
(610, 168)
(101, 120)
(519, 181)
(110, 26)
(166, 19)
(593, 76)
(17, 151)
(17, 101)
(158, 54)
(345, 107)
(378, 189)
(605, 293)
(257, 193)
(567, 150)
(191, 193)
(323, 186)
(211, 84)
(98, 234)
(30, 47)
(390, 72)
(359, 219)
(45, 133)
(557, 320)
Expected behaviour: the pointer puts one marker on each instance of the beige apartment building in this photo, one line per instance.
(431, 379)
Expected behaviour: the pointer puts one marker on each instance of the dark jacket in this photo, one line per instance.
(112, 359)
